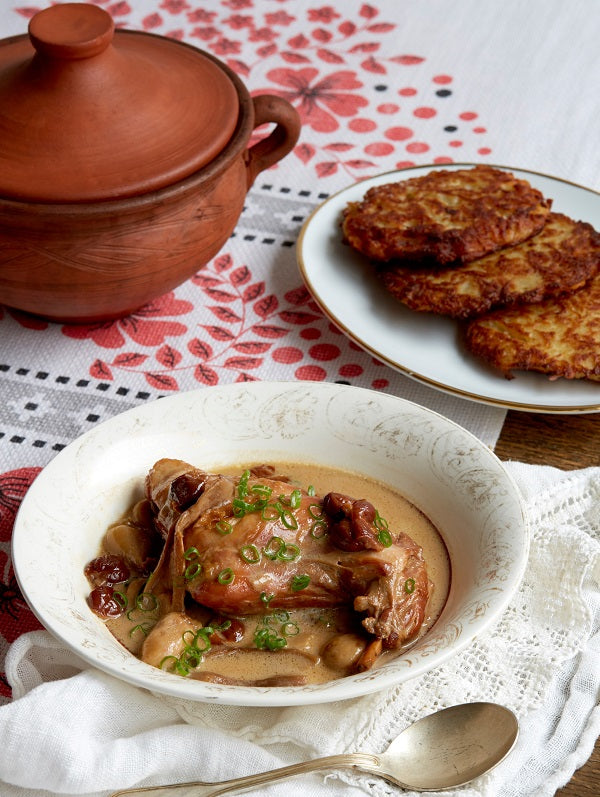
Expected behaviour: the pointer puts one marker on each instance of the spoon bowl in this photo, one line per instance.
(440, 751)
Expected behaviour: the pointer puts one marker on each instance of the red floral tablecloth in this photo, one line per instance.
(379, 86)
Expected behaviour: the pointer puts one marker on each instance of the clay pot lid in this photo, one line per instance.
(90, 113)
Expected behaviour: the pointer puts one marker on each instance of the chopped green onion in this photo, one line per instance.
(409, 585)
(203, 634)
(120, 598)
(243, 484)
(146, 602)
(145, 628)
(190, 658)
(262, 490)
(192, 570)
(311, 490)
(289, 552)
(290, 629)
(300, 582)
(242, 508)
(281, 615)
(272, 552)
(295, 499)
(266, 599)
(191, 633)
(318, 529)
(267, 639)
(196, 644)
(385, 538)
(379, 522)
(288, 519)
(270, 512)
(223, 527)
(250, 554)
(278, 548)
(315, 514)
(168, 658)
(226, 576)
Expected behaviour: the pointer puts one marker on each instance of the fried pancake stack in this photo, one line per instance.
(445, 217)
(481, 246)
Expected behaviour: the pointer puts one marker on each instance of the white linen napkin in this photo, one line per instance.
(74, 730)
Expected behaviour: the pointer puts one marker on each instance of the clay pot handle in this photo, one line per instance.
(269, 108)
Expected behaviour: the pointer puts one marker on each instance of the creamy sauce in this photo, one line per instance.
(319, 644)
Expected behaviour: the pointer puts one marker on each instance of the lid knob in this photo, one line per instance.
(71, 31)
(89, 113)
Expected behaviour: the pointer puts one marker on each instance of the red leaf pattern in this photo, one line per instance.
(252, 292)
(225, 314)
(266, 306)
(161, 381)
(269, 331)
(200, 348)
(219, 333)
(207, 376)
(240, 276)
(129, 359)
(241, 363)
(100, 370)
(168, 356)
(219, 295)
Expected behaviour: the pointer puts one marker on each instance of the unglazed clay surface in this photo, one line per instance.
(94, 232)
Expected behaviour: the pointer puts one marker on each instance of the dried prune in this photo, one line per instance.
(107, 569)
(104, 602)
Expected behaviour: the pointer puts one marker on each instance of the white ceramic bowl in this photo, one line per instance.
(443, 469)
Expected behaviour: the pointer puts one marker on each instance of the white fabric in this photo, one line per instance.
(74, 730)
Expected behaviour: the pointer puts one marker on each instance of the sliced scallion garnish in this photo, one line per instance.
(315, 510)
(273, 547)
(145, 628)
(268, 639)
(146, 602)
(120, 598)
(385, 538)
(318, 529)
(290, 629)
(226, 576)
(300, 582)
(250, 554)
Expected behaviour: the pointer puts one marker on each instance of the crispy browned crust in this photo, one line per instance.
(445, 216)
(559, 337)
(559, 259)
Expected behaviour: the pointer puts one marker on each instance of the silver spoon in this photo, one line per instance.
(440, 751)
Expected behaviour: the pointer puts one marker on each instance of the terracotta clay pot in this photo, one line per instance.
(124, 163)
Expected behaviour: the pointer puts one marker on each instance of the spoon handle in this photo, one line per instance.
(363, 761)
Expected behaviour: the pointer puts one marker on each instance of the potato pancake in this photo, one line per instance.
(446, 217)
(559, 337)
(559, 259)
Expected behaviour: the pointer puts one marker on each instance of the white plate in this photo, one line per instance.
(455, 479)
(424, 346)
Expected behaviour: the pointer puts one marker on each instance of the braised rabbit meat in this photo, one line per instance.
(239, 558)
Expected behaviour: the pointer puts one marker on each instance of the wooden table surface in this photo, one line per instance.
(567, 442)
